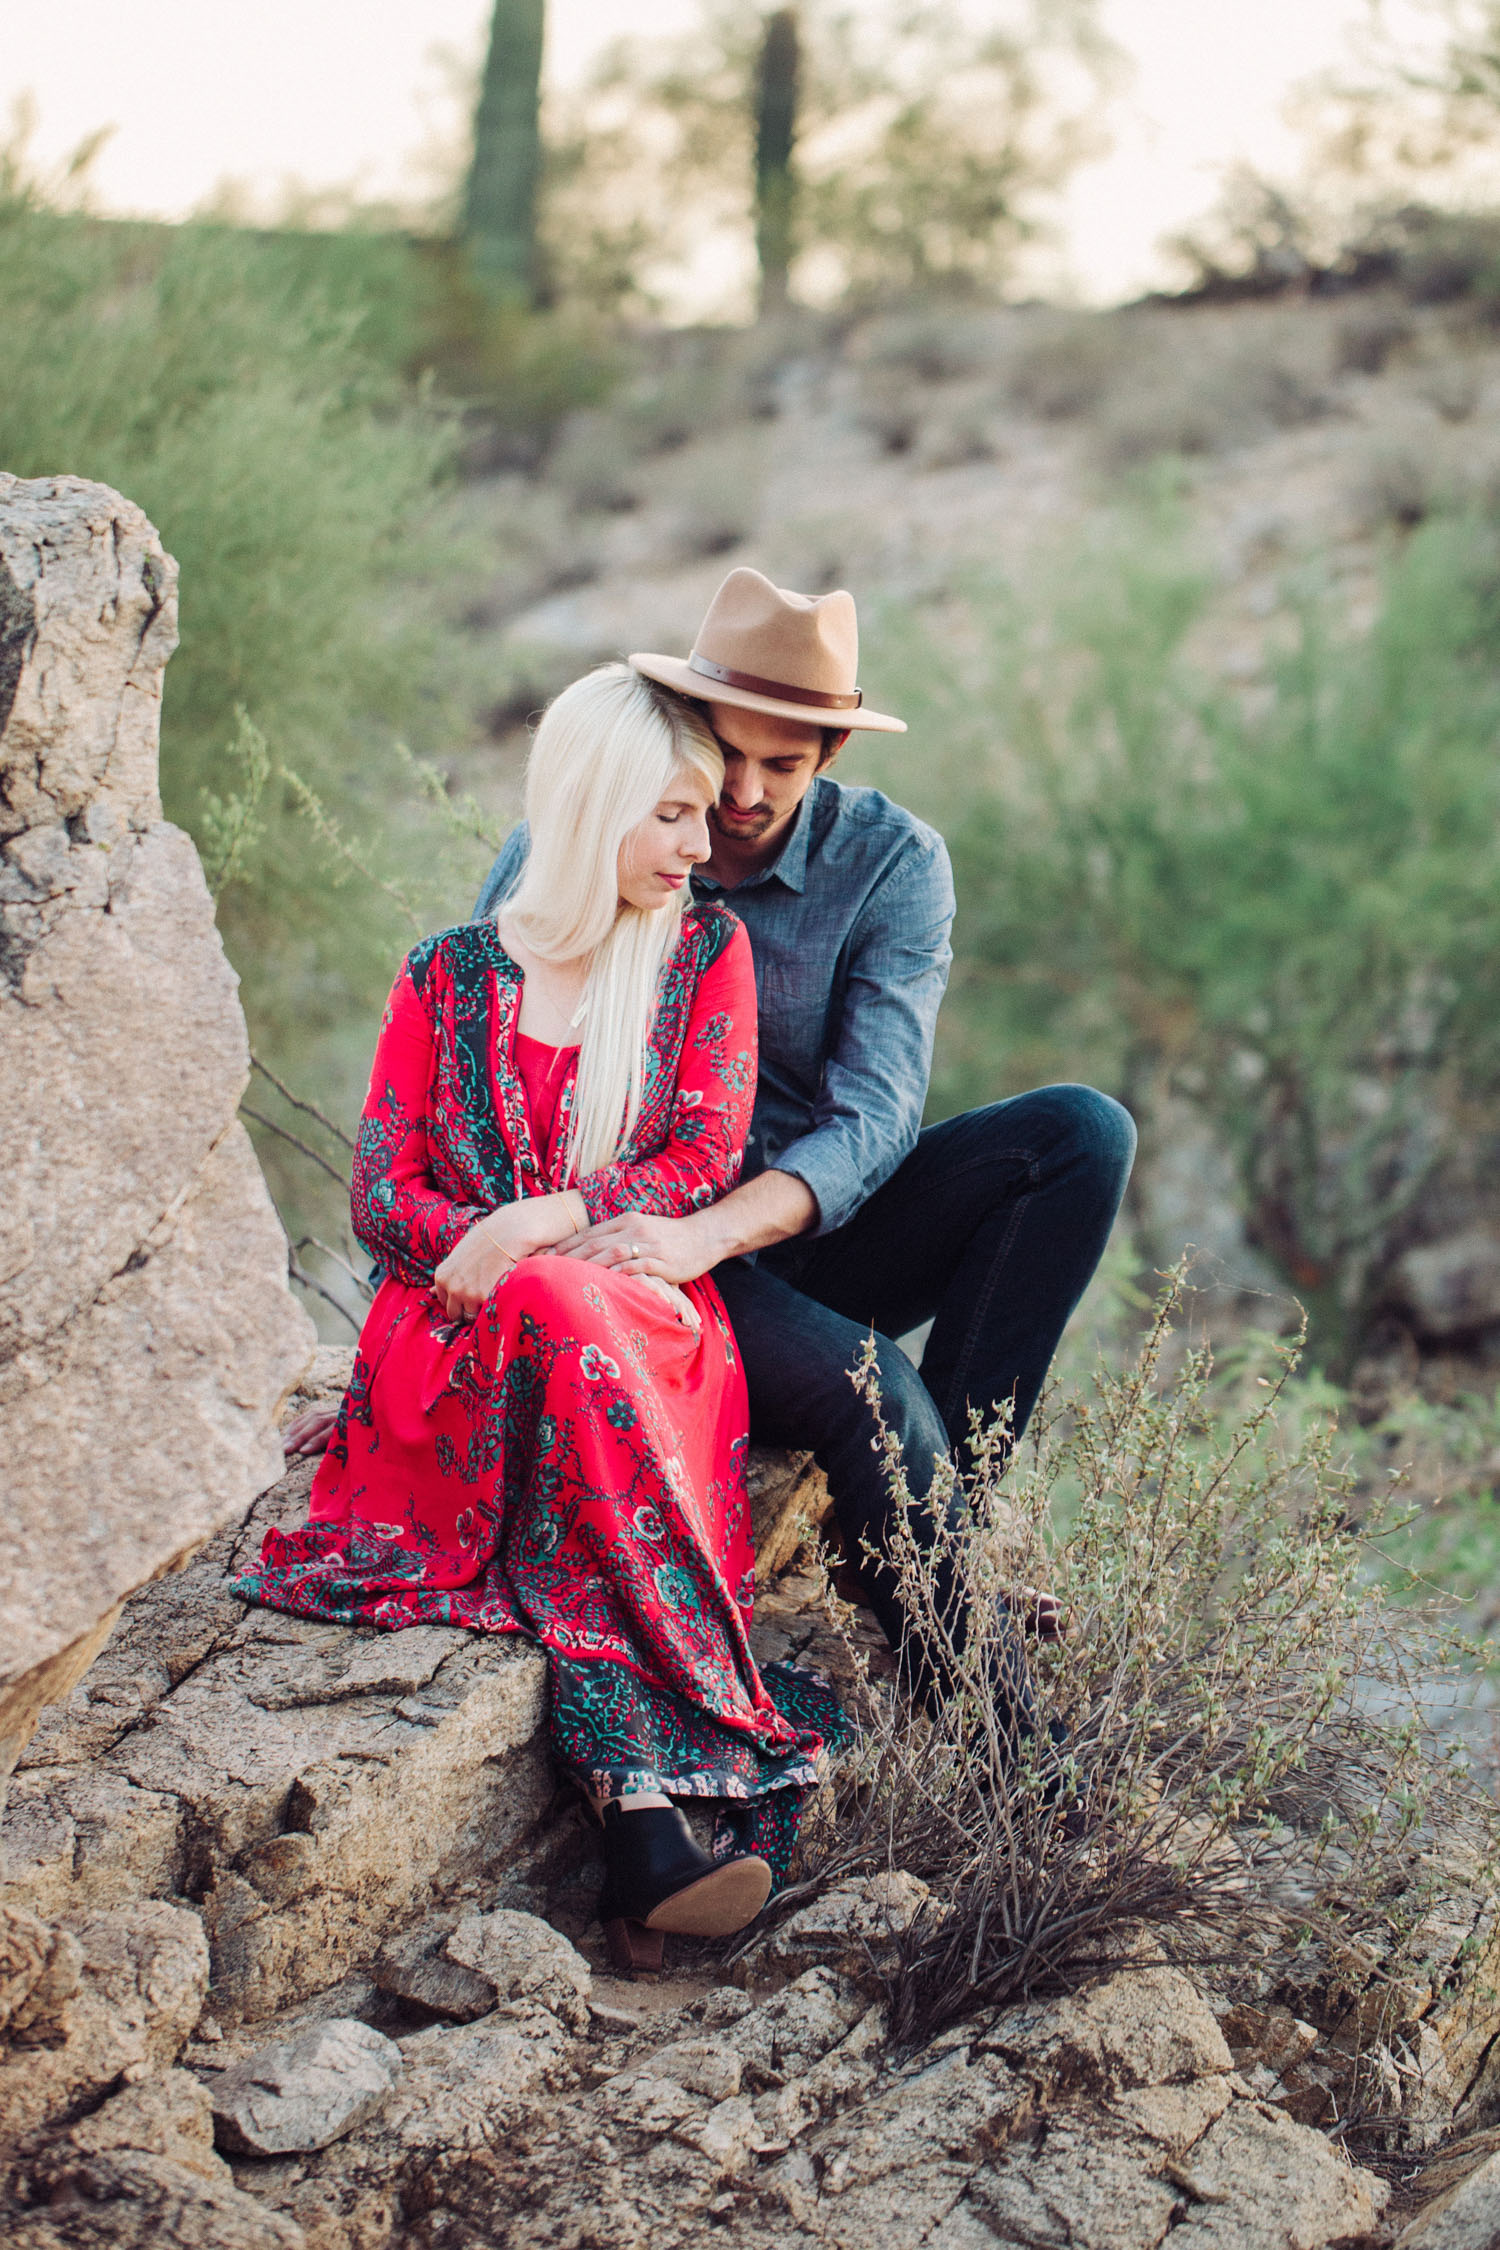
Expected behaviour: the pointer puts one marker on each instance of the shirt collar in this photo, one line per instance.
(790, 864)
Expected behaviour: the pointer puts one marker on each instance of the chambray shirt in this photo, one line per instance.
(849, 928)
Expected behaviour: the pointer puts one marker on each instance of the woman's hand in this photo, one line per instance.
(499, 1241)
(472, 1268)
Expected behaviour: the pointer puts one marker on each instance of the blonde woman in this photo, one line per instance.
(554, 1446)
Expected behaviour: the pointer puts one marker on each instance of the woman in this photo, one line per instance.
(551, 1445)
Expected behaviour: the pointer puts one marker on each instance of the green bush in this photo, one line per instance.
(1285, 896)
(247, 392)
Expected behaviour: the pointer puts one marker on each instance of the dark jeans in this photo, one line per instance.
(991, 1229)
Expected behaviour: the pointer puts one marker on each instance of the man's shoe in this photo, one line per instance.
(657, 1878)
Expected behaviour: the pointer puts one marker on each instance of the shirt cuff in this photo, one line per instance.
(821, 1163)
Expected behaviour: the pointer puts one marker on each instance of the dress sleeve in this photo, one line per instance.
(710, 1110)
(399, 1213)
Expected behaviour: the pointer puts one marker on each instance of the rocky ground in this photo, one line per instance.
(297, 1953)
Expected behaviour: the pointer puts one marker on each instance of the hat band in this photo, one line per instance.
(819, 698)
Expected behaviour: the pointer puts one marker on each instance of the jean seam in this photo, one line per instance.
(981, 1306)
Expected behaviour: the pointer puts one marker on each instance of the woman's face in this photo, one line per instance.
(660, 852)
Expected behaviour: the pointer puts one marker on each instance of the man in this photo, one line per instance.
(850, 1218)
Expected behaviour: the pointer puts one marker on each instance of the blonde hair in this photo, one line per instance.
(605, 753)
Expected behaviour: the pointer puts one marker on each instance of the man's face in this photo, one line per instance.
(769, 766)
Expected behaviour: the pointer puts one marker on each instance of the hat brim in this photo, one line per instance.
(676, 672)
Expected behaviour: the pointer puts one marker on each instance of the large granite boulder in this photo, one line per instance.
(146, 1331)
(311, 1787)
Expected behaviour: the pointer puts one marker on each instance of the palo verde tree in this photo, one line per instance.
(775, 138)
(499, 219)
(1413, 115)
(926, 147)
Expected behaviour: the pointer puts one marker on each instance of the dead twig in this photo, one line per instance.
(295, 1101)
(283, 1133)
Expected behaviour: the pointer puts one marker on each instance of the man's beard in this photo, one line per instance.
(746, 828)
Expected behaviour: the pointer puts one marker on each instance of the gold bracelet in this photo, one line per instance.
(484, 1228)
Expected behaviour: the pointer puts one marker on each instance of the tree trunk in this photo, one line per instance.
(775, 132)
(500, 203)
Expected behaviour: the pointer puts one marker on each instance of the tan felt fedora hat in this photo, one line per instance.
(763, 649)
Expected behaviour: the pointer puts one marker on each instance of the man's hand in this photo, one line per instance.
(770, 1208)
(674, 1250)
(310, 1432)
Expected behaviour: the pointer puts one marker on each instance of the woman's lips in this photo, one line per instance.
(673, 882)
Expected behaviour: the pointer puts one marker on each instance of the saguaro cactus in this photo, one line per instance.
(775, 134)
(500, 204)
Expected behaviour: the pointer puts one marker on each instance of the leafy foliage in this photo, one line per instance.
(926, 148)
(1418, 103)
(1283, 898)
(243, 391)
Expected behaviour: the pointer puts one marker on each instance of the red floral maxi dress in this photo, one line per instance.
(571, 1463)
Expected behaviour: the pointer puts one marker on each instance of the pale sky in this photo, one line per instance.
(352, 91)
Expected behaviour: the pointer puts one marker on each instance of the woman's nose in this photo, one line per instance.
(696, 844)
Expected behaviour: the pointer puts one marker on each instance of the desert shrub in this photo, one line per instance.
(712, 492)
(279, 460)
(1413, 463)
(213, 377)
(523, 371)
(695, 382)
(1441, 257)
(888, 407)
(1067, 364)
(593, 464)
(1452, 385)
(1366, 336)
(1241, 382)
(965, 428)
(1400, 476)
(1287, 893)
(934, 343)
(1152, 385)
(1229, 1756)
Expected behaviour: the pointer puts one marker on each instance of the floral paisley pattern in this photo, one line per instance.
(570, 1464)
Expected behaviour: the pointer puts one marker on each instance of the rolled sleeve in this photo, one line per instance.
(824, 1162)
(869, 1109)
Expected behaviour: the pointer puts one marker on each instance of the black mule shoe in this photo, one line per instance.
(657, 1878)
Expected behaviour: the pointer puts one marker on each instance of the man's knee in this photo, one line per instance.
(1101, 1130)
(847, 1394)
(1067, 1127)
